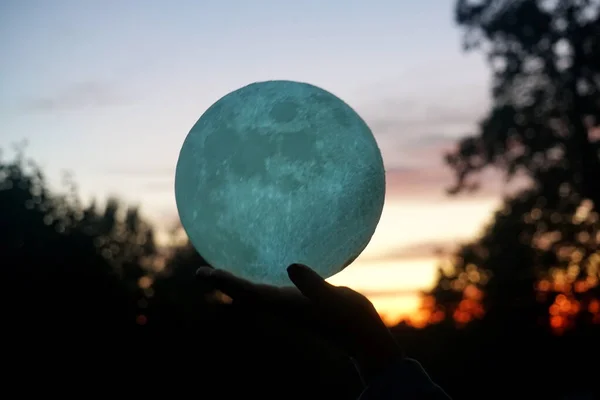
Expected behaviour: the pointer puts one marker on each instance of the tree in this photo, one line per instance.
(178, 294)
(545, 62)
(541, 247)
(65, 265)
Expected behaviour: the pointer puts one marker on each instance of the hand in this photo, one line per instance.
(344, 317)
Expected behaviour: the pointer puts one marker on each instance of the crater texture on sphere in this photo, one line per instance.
(279, 172)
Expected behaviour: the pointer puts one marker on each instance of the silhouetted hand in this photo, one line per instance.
(344, 317)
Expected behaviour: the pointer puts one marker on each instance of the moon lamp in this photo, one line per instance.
(276, 173)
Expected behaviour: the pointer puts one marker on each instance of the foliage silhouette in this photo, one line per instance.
(544, 59)
(540, 252)
(66, 263)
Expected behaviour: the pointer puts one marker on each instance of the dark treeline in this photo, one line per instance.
(92, 304)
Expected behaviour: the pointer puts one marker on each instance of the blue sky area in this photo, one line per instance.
(109, 89)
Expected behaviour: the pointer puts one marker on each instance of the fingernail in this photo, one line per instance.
(204, 272)
(292, 267)
(296, 267)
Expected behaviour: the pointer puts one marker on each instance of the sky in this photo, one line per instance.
(108, 90)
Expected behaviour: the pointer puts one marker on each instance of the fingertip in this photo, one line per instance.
(303, 272)
(294, 271)
(291, 268)
(295, 268)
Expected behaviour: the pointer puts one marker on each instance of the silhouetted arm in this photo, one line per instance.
(404, 380)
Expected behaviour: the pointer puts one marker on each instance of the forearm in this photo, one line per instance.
(404, 378)
(377, 359)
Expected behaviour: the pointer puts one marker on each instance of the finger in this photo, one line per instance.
(227, 283)
(238, 289)
(203, 283)
(311, 284)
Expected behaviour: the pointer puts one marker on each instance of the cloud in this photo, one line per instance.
(147, 180)
(158, 186)
(440, 121)
(415, 251)
(136, 172)
(418, 181)
(390, 293)
(414, 137)
(416, 131)
(77, 96)
(422, 150)
(432, 182)
(404, 112)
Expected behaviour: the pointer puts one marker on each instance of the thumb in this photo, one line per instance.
(311, 284)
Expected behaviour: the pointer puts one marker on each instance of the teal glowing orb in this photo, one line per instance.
(276, 173)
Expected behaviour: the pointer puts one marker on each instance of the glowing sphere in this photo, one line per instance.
(276, 173)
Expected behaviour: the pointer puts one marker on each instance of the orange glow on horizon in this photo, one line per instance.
(392, 286)
(393, 282)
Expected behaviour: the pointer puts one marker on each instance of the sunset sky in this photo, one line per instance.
(109, 89)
